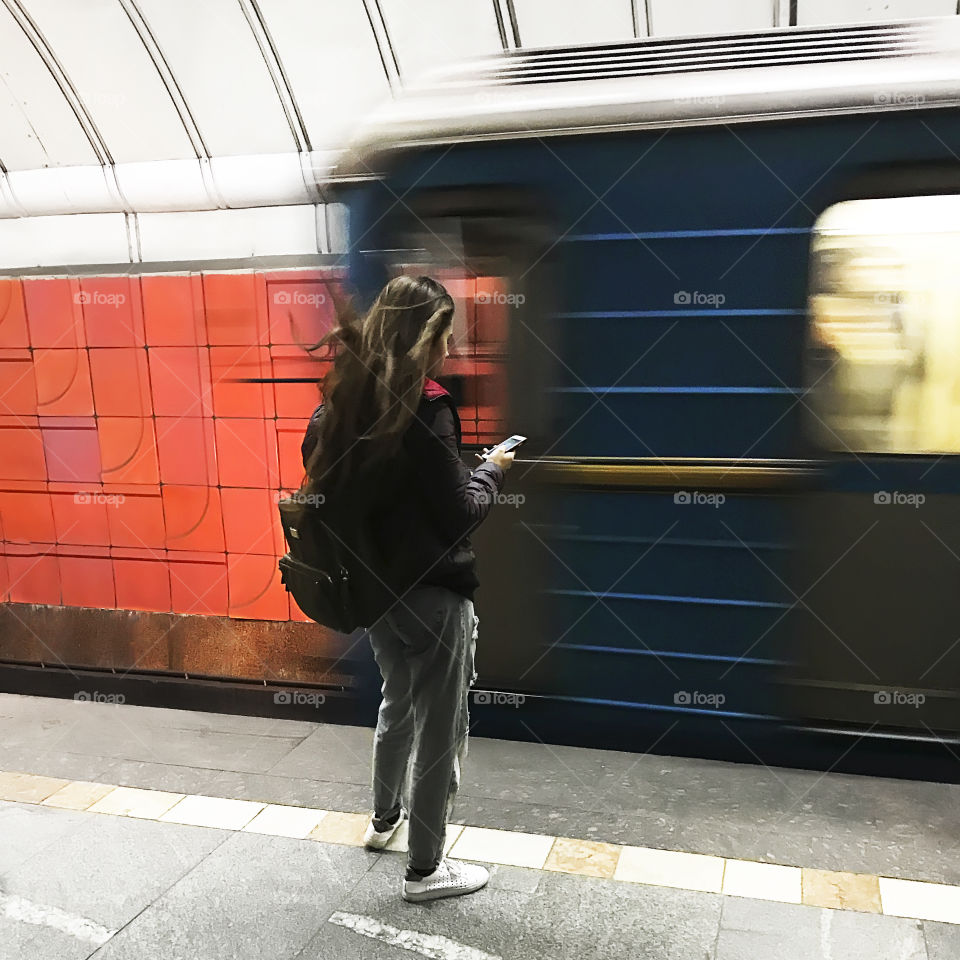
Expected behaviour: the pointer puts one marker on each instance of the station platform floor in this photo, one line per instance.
(132, 832)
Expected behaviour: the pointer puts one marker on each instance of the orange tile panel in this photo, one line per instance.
(256, 592)
(173, 311)
(247, 452)
(198, 582)
(18, 383)
(71, 449)
(111, 311)
(33, 572)
(193, 517)
(23, 456)
(86, 577)
(54, 317)
(128, 450)
(63, 382)
(121, 383)
(186, 449)
(13, 314)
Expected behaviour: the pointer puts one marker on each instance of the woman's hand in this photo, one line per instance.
(503, 460)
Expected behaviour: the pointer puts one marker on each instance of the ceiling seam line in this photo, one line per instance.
(514, 25)
(70, 93)
(380, 38)
(39, 43)
(388, 38)
(502, 30)
(167, 77)
(278, 73)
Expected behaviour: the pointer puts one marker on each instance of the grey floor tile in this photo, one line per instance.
(27, 830)
(52, 763)
(94, 733)
(15, 937)
(49, 708)
(196, 748)
(326, 794)
(331, 752)
(756, 930)
(334, 942)
(563, 917)
(518, 879)
(110, 868)
(26, 941)
(255, 897)
(942, 939)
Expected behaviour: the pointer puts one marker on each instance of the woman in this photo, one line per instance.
(388, 429)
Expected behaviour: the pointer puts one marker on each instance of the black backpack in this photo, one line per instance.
(332, 567)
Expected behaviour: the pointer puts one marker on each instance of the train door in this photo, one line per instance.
(489, 247)
(878, 628)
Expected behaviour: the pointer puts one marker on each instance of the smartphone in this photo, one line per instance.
(511, 443)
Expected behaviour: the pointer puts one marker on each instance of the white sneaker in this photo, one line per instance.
(452, 878)
(374, 839)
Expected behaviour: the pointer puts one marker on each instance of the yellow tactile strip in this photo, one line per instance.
(916, 899)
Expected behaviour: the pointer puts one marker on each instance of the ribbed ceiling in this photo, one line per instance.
(123, 81)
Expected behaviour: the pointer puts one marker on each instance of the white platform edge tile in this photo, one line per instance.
(762, 881)
(143, 804)
(218, 812)
(502, 846)
(279, 820)
(920, 900)
(670, 868)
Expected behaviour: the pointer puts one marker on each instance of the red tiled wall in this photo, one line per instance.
(136, 471)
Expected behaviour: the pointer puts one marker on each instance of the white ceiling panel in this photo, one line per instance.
(672, 18)
(861, 11)
(37, 126)
(547, 23)
(331, 60)
(53, 241)
(226, 234)
(435, 33)
(216, 60)
(118, 84)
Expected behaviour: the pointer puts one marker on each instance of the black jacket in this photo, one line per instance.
(428, 502)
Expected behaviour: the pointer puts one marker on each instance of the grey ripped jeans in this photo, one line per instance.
(425, 649)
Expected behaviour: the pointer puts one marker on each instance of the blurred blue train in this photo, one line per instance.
(731, 329)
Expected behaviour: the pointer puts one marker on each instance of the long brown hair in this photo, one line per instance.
(371, 392)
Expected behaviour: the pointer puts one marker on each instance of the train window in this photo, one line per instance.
(884, 363)
(480, 283)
